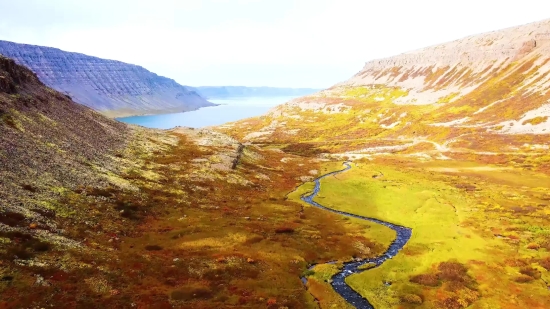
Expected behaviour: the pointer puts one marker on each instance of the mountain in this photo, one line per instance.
(451, 141)
(241, 91)
(46, 135)
(483, 93)
(111, 87)
(95, 213)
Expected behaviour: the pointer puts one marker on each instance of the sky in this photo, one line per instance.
(278, 43)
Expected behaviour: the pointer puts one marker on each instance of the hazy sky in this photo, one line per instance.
(287, 43)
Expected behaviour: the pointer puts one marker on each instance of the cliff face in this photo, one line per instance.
(486, 93)
(459, 66)
(111, 87)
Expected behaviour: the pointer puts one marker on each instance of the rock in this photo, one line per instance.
(306, 178)
(250, 261)
(40, 281)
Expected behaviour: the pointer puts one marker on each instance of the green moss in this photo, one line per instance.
(375, 93)
(323, 272)
(535, 121)
(432, 209)
(59, 209)
(449, 97)
(367, 266)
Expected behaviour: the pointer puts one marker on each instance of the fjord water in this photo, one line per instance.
(230, 109)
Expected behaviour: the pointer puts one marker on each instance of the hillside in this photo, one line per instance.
(484, 93)
(210, 92)
(112, 87)
(98, 214)
(451, 142)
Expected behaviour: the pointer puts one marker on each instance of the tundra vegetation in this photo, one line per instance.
(123, 217)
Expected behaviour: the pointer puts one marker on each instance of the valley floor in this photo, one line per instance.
(187, 219)
(480, 233)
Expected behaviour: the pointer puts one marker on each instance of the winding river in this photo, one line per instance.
(339, 280)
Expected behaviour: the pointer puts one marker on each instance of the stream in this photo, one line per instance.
(339, 280)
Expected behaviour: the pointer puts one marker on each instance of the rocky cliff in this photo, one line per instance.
(111, 87)
(485, 93)
(459, 66)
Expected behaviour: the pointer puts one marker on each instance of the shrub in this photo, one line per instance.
(153, 248)
(12, 218)
(452, 271)
(284, 230)
(303, 149)
(530, 271)
(29, 188)
(307, 273)
(40, 246)
(411, 299)
(545, 263)
(426, 279)
(191, 293)
(451, 303)
(523, 279)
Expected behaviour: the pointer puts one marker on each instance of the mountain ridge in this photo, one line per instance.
(482, 94)
(112, 87)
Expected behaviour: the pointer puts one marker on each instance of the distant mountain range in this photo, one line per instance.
(211, 92)
(112, 87)
(119, 89)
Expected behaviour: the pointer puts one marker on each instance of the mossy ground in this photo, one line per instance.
(489, 220)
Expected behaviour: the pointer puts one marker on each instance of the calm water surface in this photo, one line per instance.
(231, 109)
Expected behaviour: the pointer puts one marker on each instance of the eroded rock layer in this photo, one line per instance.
(112, 87)
(486, 93)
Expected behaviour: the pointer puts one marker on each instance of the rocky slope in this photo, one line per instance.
(111, 87)
(463, 65)
(39, 143)
(486, 93)
(241, 91)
